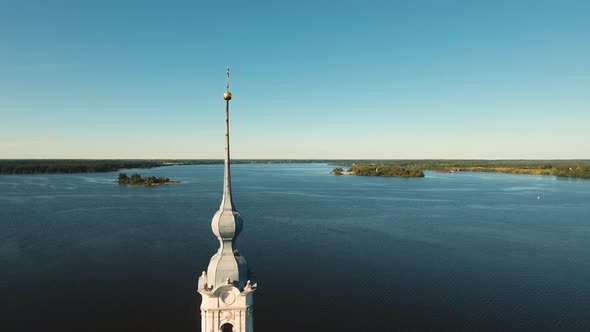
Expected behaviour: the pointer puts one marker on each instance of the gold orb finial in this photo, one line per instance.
(227, 94)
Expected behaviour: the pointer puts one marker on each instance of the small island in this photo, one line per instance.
(137, 180)
(380, 170)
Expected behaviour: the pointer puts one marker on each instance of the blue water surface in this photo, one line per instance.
(460, 251)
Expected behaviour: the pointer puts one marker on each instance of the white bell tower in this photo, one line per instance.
(227, 285)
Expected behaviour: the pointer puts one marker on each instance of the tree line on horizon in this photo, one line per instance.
(561, 168)
(43, 166)
(47, 166)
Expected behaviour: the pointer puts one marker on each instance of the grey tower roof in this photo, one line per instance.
(227, 225)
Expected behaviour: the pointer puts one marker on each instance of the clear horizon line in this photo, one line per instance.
(303, 159)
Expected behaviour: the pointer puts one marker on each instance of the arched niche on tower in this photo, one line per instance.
(227, 327)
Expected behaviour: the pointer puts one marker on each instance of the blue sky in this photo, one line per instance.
(317, 79)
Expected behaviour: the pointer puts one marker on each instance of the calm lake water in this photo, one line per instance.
(463, 251)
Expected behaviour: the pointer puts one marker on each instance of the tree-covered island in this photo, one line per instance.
(380, 170)
(138, 180)
(414, 168)
(337, 171)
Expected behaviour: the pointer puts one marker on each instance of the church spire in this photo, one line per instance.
(227, 286)
(227, 202)
(227, 224)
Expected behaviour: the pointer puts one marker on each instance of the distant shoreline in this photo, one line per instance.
(414, 168)
(66, 166)
(577, 168)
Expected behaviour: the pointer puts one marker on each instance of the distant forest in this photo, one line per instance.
(37, 166)
(42, 166)
(564, 168)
